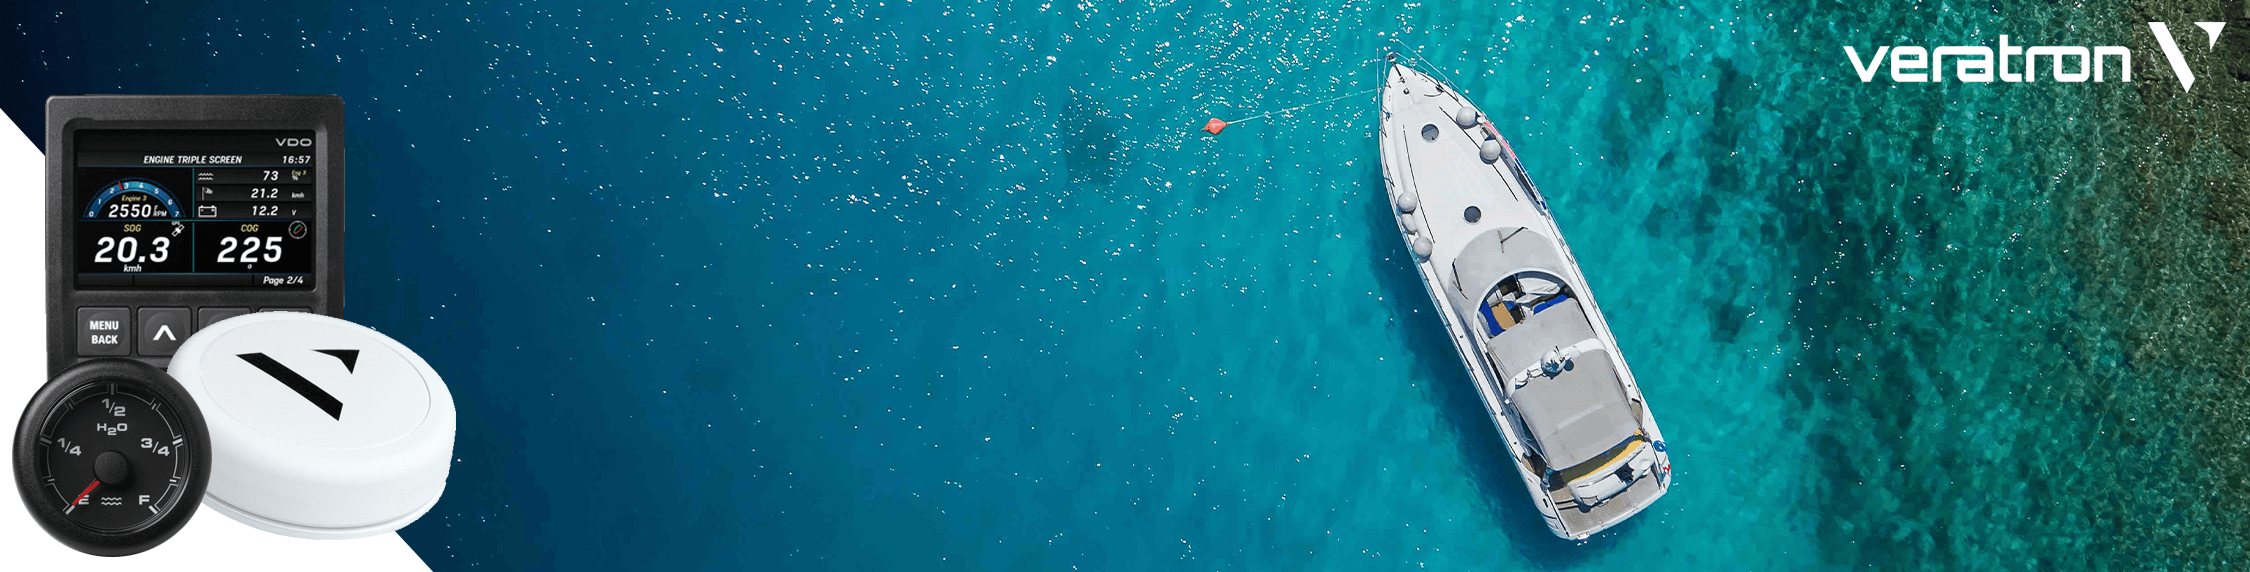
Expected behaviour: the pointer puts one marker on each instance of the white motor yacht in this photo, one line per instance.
(1518, 310)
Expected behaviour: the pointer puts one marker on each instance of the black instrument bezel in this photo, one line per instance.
(46, 404)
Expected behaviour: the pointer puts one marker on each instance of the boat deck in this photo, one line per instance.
(1605, 515)
(1481, 235)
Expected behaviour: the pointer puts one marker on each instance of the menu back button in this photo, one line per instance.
(103, 331)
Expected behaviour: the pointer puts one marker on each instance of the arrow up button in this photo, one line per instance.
(161, 330)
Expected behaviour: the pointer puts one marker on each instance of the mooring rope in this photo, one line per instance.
(1215, 125)
(1269, 114)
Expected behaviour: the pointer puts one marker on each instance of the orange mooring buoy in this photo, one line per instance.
(1215, 126)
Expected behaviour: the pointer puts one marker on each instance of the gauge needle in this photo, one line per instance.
(89, 490)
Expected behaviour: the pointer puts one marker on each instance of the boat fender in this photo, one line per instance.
(1489, 151)
(1422, 248)
(1407, 202)
(1414, 225)
(1465, 118)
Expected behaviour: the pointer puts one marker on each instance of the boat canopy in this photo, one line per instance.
(1580, 413)
(1496, 254)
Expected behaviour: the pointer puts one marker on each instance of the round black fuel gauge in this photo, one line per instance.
(111, 457)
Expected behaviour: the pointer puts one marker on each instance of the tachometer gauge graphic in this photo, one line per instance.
(133, 199)
(111, 457)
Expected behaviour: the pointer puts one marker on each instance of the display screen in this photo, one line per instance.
(195, 209)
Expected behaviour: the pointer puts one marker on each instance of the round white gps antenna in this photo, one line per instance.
(320, 428)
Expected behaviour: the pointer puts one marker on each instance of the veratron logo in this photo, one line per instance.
(1982, 64)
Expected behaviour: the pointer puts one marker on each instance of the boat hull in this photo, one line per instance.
(1429, 177)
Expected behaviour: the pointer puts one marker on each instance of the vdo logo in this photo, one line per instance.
(293, 141)
(2072, 64)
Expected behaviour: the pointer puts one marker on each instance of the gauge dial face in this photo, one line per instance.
(133, 199)
(113, 457)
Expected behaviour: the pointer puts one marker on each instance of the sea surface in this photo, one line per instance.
(923, 285)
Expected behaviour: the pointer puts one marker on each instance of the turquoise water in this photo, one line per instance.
(904, 285)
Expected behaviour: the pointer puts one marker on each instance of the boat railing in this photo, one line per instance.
(1415, 59)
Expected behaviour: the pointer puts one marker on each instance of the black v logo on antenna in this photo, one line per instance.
(349, 357)
(321, 399)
